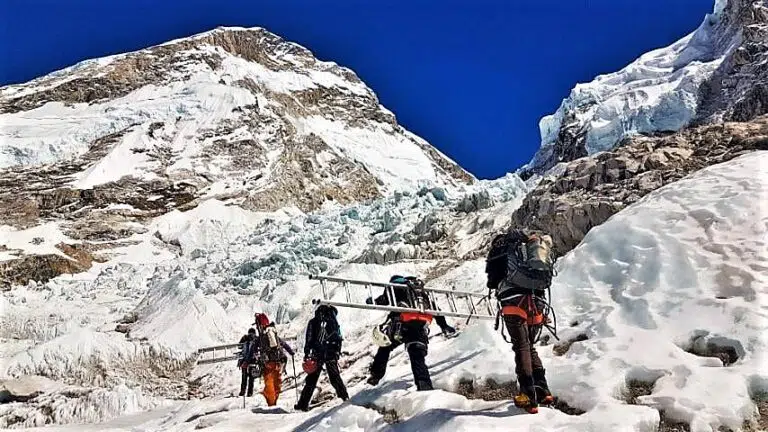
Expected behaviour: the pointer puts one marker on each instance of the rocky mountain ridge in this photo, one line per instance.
(234, 114)
(717, 73)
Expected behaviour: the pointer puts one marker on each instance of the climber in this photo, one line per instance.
(248, 361)
(322, 348)
(271, 356)
(409, 328)
(519, 268)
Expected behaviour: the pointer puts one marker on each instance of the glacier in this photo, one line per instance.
(658, 92)
(649, 290)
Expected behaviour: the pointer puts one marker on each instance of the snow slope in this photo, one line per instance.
(673, 278)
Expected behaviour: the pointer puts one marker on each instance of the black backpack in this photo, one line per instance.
(529, 260)
(329, 332)
(414, 296)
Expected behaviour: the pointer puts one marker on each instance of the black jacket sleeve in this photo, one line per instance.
(310, 344)
(382, 300)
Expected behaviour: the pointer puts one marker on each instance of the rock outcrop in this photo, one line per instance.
(592, 189)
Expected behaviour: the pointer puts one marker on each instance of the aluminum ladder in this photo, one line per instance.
(459, 304)
(217, 354)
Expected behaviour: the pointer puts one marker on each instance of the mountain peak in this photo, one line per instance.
(717, 73)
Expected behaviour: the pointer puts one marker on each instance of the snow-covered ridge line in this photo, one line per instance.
(714, 74)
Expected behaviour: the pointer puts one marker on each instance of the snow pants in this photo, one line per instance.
(415, 337)
(334, 376)
(272, 382)
(523, 319)
(246, 381)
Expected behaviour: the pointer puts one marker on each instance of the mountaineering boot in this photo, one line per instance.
(542, 388)
(526, 398)
(298, 407)
(373, 380)
(424, 385)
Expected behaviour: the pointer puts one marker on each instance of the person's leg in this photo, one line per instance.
(243, 380)
(271, 382)
(539, 373)
(334, 376)
(309, 389)
(251, 380)
(521, 344)
(379, 366)
(417, 352)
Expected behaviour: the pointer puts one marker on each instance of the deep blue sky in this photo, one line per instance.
(473, 77)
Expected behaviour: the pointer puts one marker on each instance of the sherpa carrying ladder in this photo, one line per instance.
(460, 304)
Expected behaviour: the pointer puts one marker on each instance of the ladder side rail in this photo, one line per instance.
(403, 309)
(356, 281)
(213, 348)
(391, 285)
(217, 360)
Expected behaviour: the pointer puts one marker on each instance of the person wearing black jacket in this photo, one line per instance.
(413, 332)
(322, 348)
(248, 358)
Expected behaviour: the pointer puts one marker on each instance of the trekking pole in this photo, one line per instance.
(295, 380)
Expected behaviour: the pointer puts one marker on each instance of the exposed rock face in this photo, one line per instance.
(239, 115)
(42, 268)
(592, 189)
(738, 90)
(718, 73)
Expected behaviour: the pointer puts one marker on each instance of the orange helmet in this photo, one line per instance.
(261, 319)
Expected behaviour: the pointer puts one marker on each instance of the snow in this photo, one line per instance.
(392, 158)
(170, 128)
(675, 272)
(211, 223)
(38, 240)
(657, 92)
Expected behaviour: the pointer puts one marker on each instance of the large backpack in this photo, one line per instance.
(529, 261)
(413, 297)
(329, 332)
(269, 345)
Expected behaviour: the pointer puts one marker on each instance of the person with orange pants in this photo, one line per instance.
(272, 355)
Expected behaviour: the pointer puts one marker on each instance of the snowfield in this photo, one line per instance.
(664, 305)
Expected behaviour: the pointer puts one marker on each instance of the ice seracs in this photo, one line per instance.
(702, 78)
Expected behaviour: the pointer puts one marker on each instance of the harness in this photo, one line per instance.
(415, 316)
(526, 306)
